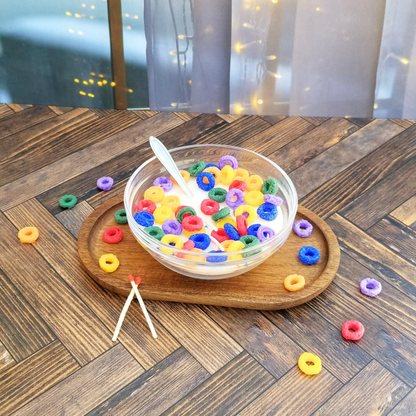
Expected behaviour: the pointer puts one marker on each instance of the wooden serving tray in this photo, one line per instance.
(260, 288)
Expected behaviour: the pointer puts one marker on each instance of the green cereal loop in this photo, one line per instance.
(196, 169)
(222, 213)
(67, 201)
(269, 187)
(120, 216)
(183, 211)
(250, 241)
(155, 232)
(217, 194)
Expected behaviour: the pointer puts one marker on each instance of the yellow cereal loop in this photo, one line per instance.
(221, 223)
(28, 234)
(191, 257)
(254, 183)
(241, 174)
(310, 364)
(227, 243)
(216, 172)
(227, 175)
(171, 239)
(155, 194)
(254, 198)
(185, 175)
(294, 282)
(109, 263)
(189, 233)
(163, 213)
(171, 201)
(235, 246)
(250, 211)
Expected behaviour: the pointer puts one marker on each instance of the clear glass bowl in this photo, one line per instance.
(185, 157)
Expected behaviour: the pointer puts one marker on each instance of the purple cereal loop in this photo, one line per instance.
(172, 227)
(264, 233)
(164, 183)
(245, 214)
(105, 183)
(370, 287)
(240, 198)
(272, 199)
(303, 228)
(231, 159)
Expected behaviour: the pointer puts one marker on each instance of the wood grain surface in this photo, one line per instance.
(56, 322)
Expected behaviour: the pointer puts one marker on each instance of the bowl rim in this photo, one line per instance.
(147, 238)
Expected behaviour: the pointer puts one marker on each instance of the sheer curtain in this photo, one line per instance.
(354, 58)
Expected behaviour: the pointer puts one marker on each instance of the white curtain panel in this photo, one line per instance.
(334, 58)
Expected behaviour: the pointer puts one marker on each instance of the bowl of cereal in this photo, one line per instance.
(241, 213)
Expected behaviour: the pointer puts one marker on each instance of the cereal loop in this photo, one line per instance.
(155, 232)
(120, 216)
(352, 330)
(215, 171)
(309, 364)
(171, 201)
(294, 282)
(192, 223)
(28, 235)
(221, 223)
(185, 212)
(254, 198)
(171, 240)
(235, 246)
(209, 206)
(185, 175)
(226, 243)
(112, 235)
(220, 235)
(217, 194)
(67, 201)
(227, 175)
(196, 169)
(249, 210)
(254, 183)
(241, 174)
(241, 185)
(155, 194)
(222, 213)
(195, 258)
(163, 213)
(146, 205)
(109, 263)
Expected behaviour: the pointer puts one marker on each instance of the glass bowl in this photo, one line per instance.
(193, 264)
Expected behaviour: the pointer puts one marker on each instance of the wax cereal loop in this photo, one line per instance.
(254, 198)
(155, 232)
(109, 263)
(171, 240)
(241, 174)
(67, 201)
(254, 183)
(270, 187)
(112, 235)
(228, 159)
(227, 175)
(352, 330)
(196, 169)
(214, 171)
(146, 205)
(105, 183)
(155, 194)
(165, 183)
(120, 216)
(249, 210)
(162, 214)
(28, 235)
(309, 364)
(171, 201)
(370, 287)
(294, 282)
(217, 194)
(309, 255)
(235, 246)
(144, 218)
(303, 228)
(185, 175)
(221, 223)
(222, 213)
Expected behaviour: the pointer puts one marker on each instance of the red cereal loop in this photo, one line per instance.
(189, 245)
(220, 235)
(112, 235)
(192, 223)
(179, 208)
(352, 330)
(241, 185)
(241, 225)
(209, 206)
(146, 205)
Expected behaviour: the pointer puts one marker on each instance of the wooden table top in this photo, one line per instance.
(56, 324)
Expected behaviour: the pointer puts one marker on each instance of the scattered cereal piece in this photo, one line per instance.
(309, 255)
(309, 364)
(294, 282)
(303, 228)
(105, 183)
(67, 201)
(112, 235)
(352, 330)
(109, 263)
(370, 287)
(120, 216)
(28, 234)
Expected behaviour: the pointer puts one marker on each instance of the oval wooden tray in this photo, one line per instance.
(261, 288)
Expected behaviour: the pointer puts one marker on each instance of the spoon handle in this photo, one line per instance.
(166, 160)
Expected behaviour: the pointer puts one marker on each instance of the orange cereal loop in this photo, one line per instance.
(171, 201)
(28, 234)
(294, 282)
(254, 183)
(155, 194)
(216, 172)
(185, 175)
(226, 243)
(190, 257)
(241, 174)
(227, 175)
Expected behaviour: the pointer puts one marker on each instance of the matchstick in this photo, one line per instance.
(142, 305)
(123, 314)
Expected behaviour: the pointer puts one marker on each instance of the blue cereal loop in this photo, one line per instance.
(144, 218)
(201, 240)
(267, 211)
(208, 165)
(309, 255)
(231, 231)
(252, 230)
(205, 186)
(216, 259)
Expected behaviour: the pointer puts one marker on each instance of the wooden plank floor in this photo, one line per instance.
(56, 353)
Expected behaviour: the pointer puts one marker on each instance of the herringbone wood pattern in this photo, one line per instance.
(56, 353)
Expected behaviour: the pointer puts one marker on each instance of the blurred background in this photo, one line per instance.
(277, 57)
